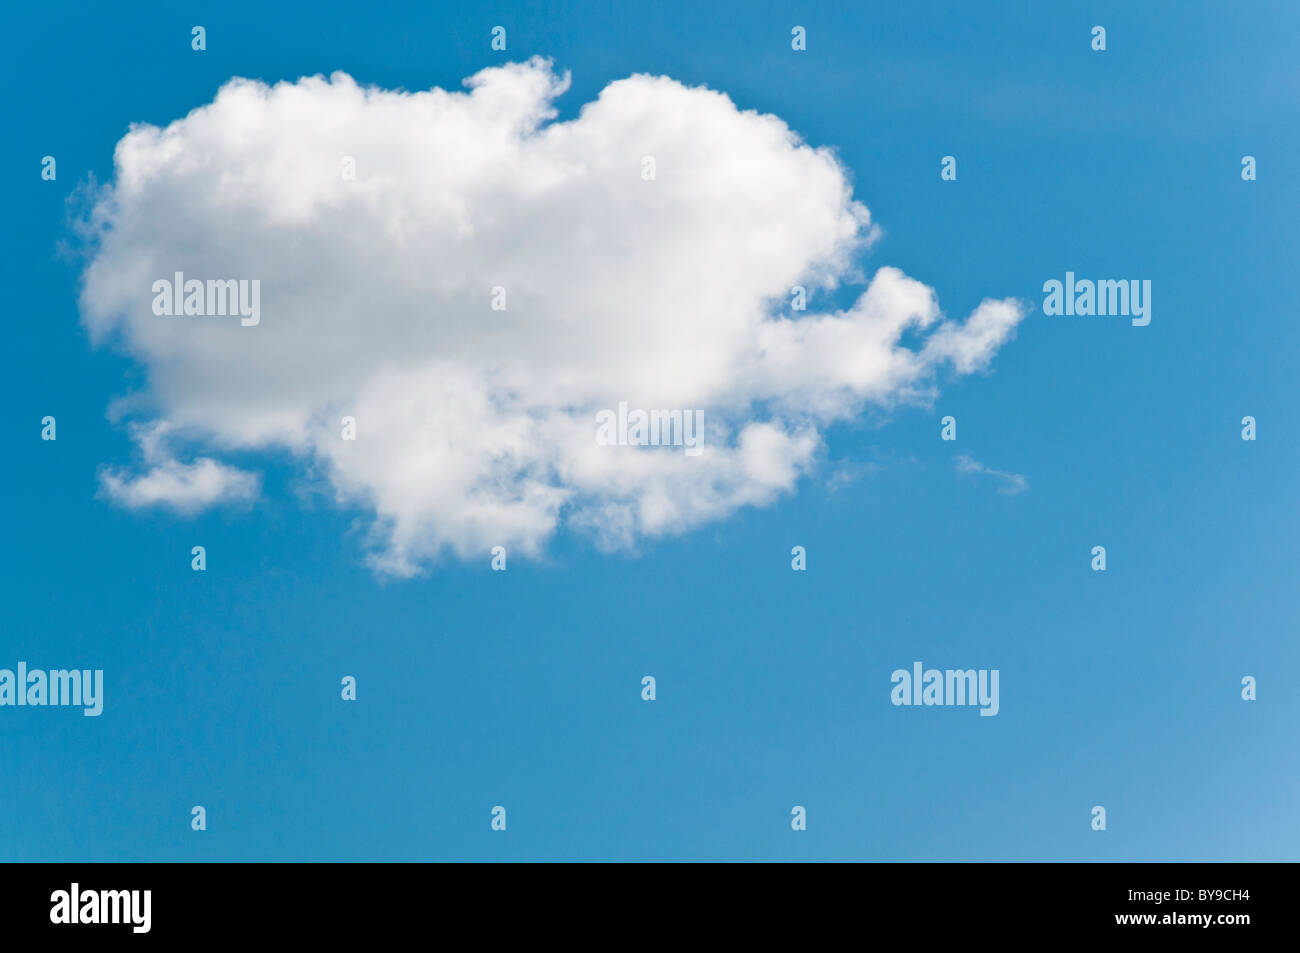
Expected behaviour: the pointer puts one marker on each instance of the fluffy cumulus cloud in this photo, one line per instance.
(187, 487)
(477, 427)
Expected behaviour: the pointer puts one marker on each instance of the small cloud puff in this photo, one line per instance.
(1009, 483)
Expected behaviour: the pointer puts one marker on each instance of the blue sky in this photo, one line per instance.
(523, 688)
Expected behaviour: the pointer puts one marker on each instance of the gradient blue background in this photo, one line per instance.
(523, 688)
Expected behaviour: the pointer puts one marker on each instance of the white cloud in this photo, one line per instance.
(1011, 483)
(186, 487)
(476, 427)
